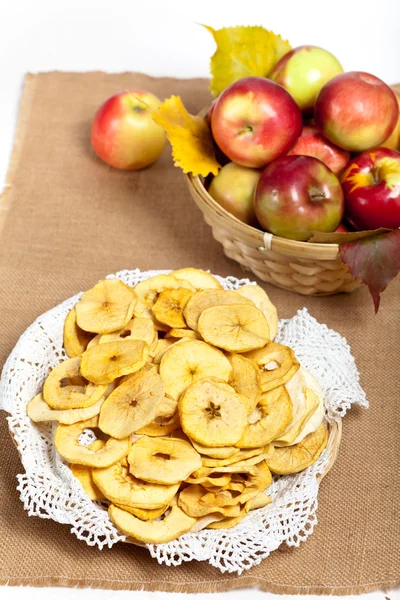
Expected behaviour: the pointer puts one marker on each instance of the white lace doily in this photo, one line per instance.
(49, 490)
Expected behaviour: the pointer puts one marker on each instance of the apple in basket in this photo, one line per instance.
(297, 195)
(356, 111)
(254, 121)
(312, 143)
(124, 134)
(371, 184)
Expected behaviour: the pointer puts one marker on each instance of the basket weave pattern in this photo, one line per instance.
(302, 267)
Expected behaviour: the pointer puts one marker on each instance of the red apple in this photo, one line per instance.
(233, 188)
(124, 134)
(356, 111)
(304, 71)
(312, 143)
(393, 141)
(297, 195)
(371, 184)
(254, 121)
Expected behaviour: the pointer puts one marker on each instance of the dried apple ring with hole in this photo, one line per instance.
(168, 308)
(105, 362)
(189, 361)
(132, 405)
(120, 487)
(212, 413)
(106, 307)
(66, 388)
(189, 501)
(148, 290)
(38, 411)
(245, 379)
(277, 363)
(163, 460)
(137, 329)
(201, 280)
(66, 441)
(75, 339)
(152, 532)
(236, 327)
(293, 459)
(269, 419)
(207, 298)
(261, 300)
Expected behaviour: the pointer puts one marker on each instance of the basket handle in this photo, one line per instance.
(267, 239)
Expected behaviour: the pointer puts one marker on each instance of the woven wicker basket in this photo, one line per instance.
(302, 267)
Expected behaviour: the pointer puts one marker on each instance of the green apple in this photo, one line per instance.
(233, 188)
(304, 71)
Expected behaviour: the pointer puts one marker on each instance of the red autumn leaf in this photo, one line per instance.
(374, 260)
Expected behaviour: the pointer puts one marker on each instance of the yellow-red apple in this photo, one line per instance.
(297, 195)
(356, 111)
(312, 143)
(304, 71)
(393, 141)
(254, 121)
(124, 134)
(233, 188)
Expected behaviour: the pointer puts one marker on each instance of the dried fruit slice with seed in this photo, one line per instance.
(75, 339)
(278, 364)
(148, 290)
(105, 362)
(212, 452)
(163, 460)
(269, 419)
(201, 280)
(207, 298)
(288, 436)
(120, 487)
(261, 300)
(168, 308)
(106, 307)
(67, 444)
(189, 361)
(182, 333)
(137, 329)
(212, 413)
(293, 459)
(245, 379)
(38, 411)
(132, 405)
(84, 474)
(65, 388)
(152, 532)
(189, 500)
(144, 514)
(236, 328)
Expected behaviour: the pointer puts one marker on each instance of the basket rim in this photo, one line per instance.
(281, 245)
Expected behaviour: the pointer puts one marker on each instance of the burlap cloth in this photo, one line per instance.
(68, 221)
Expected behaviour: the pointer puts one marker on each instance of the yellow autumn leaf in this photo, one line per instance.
(190, 138)
(243, 52)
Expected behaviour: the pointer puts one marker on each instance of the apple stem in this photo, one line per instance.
(317, 197)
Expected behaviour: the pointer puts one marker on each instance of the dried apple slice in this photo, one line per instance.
(105, 362)
(236, 327)
(161, 426)
(212, 452)
(229, 522)
(259, 501)
(65, 388)
(132, 405)
(84, 474)
(67, 444)
(247, 465)
(207, 298)
(297, 425)
(163, 460)
(178, 334)
(168, 308)
(241, 455)
(212, 413)
(278, 364)
(137, 329)
(152, 532)
(269, 419)
(245, 379)
(261, 476)
(121, 488)
(293, 459)
(228, 497)
(201, 280)
(38, 411)
(210, 481)
(144, 514)
(189, 501)
(316, 418)
(148, 290)
(261, 300)
(189, 361)
(75, 339)
(161, 348)
(106, 307)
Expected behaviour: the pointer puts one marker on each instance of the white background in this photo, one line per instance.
(163, 37)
